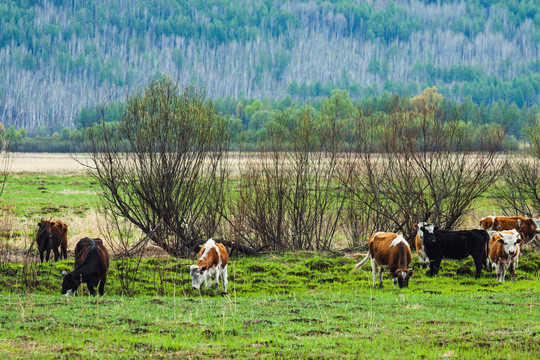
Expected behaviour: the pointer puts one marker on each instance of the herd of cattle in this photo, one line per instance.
(495, 246)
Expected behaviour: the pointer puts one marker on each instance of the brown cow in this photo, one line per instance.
(211, 263)
(91, 266)
(51, 235)
(526, 227)
(504, 252)
(389, 251)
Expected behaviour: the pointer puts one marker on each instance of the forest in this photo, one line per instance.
(61, 59)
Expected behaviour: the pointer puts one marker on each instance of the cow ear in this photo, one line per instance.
(411, 273)
(501, 240)
(393, 274)
(415, 226)
(435, 228)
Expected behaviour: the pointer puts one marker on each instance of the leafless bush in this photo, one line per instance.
(519, 191)
(288, 198)
(417, 163)
(163, 163)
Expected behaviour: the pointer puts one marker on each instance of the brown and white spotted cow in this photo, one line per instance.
(211, 263)
(504, 253)
(527, 227)
(389, 251)
(419, 242)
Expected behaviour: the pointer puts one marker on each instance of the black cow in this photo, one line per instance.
(447, 244)
(91, 265)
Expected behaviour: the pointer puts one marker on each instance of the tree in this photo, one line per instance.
(164, 165)
(419, 163)
(519, 192)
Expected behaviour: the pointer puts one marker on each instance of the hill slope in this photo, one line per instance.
(56, 56)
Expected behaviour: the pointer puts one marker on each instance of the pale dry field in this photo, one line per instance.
(49, 163)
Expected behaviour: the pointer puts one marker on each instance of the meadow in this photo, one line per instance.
(303, 304)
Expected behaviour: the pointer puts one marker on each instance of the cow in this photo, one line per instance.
(504, 253)
(389, 251)
(211, 263)
(447, 244)
(91, 266)
(419, 243)
(50, 236)
(527, 227)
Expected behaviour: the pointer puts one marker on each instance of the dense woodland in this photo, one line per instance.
(61, 59)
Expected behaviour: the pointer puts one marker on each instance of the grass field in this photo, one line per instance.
(292, 305)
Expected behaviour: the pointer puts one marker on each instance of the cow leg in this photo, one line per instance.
(102, 285)
(478, 264)
(433, 267)
(380, 277)
(56, 254)
(47, 255)
(207, 283)
(41, 255)
(501, 272)
(512, 271)
(495, 267)
(90, 287)
(216, 280)
(224, 280)
(374, 271)
(64, 251)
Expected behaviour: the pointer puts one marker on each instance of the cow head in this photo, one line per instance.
(511, 240)
(427, 233)
(198, 275)
(44, 230)
(70, 284)
(401, 277)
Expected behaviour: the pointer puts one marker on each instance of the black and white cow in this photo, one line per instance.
(447, 244)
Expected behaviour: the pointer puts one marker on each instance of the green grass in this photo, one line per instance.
(48, 195)
(293, 305)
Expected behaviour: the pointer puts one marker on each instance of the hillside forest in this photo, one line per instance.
(62, 61)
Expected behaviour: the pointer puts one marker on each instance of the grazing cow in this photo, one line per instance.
(211, 263)
(447, 244)
(504, 252)
(91, 266)
(527, 227)
(51, 235)
(389, 251)
(419, 242)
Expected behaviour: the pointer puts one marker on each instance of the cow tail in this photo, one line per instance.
(362, 262)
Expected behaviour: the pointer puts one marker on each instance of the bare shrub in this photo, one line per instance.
(163, 163)
(519, 191)
(287, 198)
(417, 163)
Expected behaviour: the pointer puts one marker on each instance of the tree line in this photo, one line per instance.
(250, 121)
